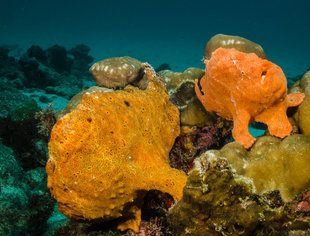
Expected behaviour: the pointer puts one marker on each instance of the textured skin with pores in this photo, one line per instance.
(244, 88)
(110, 150)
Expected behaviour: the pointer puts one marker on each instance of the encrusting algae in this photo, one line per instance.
(111, 149)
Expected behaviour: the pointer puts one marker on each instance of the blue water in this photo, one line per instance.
(173, 32)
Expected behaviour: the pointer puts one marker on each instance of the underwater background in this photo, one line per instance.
(46, 50)
(161, 31)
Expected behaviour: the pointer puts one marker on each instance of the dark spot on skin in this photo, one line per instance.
(127, 103)
(264, 72)
(89, 120)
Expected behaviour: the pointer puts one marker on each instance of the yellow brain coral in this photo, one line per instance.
(110, 150)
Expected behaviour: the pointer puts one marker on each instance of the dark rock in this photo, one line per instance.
(58, 60)
(80, 53)
(18, 128)
(11, 85)
(37, 74)
(164, 66)
(81, 60)
(4, 54)
(44, 99)
(25, 202)
(38, 53)
(8, 65)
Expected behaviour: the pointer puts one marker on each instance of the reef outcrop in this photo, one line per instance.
(273, 164)
(217, 201)
(181, 89)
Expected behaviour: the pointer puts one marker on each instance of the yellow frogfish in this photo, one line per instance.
(244, 88)
(111, 149)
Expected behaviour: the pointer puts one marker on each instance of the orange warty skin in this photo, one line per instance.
(108, 152)
(244, 88)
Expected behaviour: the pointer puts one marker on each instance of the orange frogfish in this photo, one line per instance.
(111, 149)
(244, 88)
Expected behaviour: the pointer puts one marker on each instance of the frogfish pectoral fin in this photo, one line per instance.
(294, 99)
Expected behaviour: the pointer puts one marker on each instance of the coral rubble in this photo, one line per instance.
(111, 149)
(245, 88)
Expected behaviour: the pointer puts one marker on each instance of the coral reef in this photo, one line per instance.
(10, 75)
(302, 205)
(81, 59)
(38, 53)
(181, 89)
(37, 74)
(192, 142)
(111, 149)
(236, 42)
(47, 69)
(18, 129)
(119, 72)
(216, 201)
(180, 85)
(58, 60)
(302, 116)
(245, 88)
(105, 172)
(25, 201)
(273, 164)
(24, 197)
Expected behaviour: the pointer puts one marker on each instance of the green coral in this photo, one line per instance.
(273, 164)
(302, 116)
